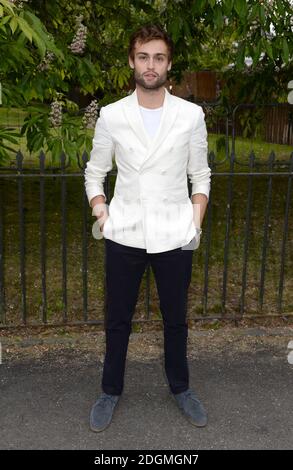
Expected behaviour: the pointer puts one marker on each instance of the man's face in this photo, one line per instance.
(150, 64)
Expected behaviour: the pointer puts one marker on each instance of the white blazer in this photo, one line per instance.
(150, 208)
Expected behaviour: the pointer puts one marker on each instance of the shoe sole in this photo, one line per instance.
(193, 423)
(99, 429)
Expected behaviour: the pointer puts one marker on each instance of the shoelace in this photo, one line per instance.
(191, 394)
(108, 397)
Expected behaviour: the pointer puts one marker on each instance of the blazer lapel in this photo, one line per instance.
(169, 114)
(134, 118)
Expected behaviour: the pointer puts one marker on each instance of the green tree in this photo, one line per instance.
(57, 48)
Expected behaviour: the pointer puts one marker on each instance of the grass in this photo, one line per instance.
(244, 147)
(12, 117)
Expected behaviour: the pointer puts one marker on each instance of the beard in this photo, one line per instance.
(157, 83)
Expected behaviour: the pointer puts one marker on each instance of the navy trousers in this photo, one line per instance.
(125, 267)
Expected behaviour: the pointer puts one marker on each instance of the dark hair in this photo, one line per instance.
(147, 33)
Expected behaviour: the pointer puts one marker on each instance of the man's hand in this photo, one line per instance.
(197, 238)
(100, 210)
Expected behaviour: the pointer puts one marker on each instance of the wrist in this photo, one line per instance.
(100, 199)
(99, 210)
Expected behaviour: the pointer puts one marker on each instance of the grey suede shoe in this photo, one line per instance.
(191, 407)
(102, 412)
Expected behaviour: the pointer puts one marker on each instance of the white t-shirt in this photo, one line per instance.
(151, 119)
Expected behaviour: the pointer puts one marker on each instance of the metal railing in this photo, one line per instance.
(21, 175)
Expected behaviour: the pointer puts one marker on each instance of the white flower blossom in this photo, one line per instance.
(78, 43)
(90, 115)
(55, 116)
(45, 64)
(18, 3)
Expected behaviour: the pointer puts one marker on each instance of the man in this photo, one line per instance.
(158, 140)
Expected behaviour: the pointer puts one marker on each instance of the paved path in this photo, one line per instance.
(45, 402)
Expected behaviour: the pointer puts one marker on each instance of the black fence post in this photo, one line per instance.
(85, 206)
(19, 160)
(2, 288)
(64, 236)
(285, 236)
(43, 236)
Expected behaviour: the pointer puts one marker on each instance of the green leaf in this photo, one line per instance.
(8, 5)
(70, 148)
(269, 49)
(175, 29)
(25, 28)
(186, 30)
(7, 147)
(56, 150)
(43, 34)
(5, 20)
(11, 139)
(262, 14)
(240, 56)
(280, 7)
(8, 134)
(198, 7)
(37, 141)
(254, 12)
(40, 44)
(80, 141)
(13, 24)
(257, 52)
(228, 5)
(218, 17)
(285, 52)
(240, 7)
(88, 143)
